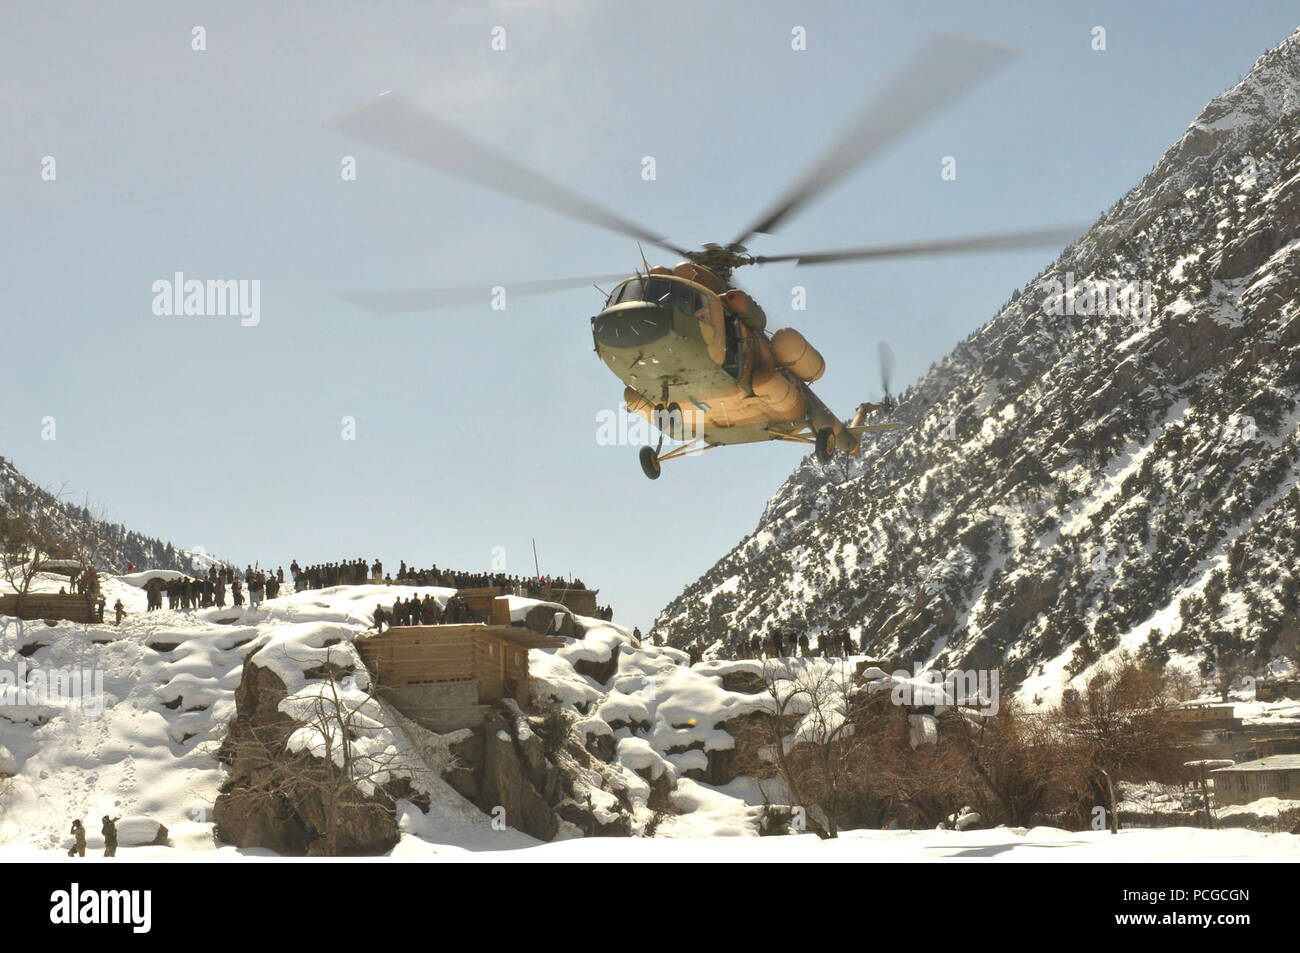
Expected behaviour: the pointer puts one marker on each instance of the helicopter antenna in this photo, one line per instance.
(643, 261)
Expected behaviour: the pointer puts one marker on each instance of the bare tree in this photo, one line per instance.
(30, 537)
(823, 760)
(1122, 726)
(84, 542)
(1016, 757)
(927, 783)
(1290, 642)
(329, 752)
(1227, 658)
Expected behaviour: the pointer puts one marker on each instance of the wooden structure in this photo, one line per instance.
(577, 601)
(1275, 776)
(69, 607)
(479, 601)
(580, 601)
(1277, 690)
(1278, 744)
(1215, 730)
(444, 676)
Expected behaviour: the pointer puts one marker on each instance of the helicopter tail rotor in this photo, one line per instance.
(886, 356)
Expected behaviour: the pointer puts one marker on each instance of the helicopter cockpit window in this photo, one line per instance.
(654, 289)
(629, 290)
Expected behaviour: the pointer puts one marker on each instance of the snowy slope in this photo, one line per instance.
(148, 746)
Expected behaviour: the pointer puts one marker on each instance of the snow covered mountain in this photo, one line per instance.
(119, 544)
(1110, 461)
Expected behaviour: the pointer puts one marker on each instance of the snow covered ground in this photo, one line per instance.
(1013, 845)
(142, 743)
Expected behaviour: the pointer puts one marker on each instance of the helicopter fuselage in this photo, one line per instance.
(673, 341)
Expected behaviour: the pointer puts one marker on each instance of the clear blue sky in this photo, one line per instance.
(477, 429)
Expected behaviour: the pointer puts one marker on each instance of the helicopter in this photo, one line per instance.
(693, 349)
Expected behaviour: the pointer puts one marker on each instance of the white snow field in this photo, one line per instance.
(145, 748)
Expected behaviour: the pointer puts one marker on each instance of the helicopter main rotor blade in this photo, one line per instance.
(424, 299)
(941, 72)
(1006, 241)
(391, 123)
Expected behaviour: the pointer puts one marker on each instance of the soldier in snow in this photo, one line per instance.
(109, 830)
(78, 849)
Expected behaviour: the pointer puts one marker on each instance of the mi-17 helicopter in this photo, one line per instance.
(691, 348)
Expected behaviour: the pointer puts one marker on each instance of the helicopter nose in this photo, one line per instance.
(632, 327)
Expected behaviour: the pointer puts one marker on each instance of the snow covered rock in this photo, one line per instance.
(138, 831)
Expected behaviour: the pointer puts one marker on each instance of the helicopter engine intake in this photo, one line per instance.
(737, 302)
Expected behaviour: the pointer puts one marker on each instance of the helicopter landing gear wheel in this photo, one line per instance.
(668, 420)
(825, 444)
(650, 463)
(675, 421)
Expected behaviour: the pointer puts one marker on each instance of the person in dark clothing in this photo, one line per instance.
(119, 610)
(78, 849)
(109, 830)
(803, 644)
(380, 618)
(778, 642)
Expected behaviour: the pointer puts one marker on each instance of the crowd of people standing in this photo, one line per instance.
(212, 588)
(778, 644)
(357, 572)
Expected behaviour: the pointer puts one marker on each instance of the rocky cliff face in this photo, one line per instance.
(1111, 460)
(277, 797)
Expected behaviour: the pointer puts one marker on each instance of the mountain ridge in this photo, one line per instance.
(119, 545)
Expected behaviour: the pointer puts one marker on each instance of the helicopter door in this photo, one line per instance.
(733, 362)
